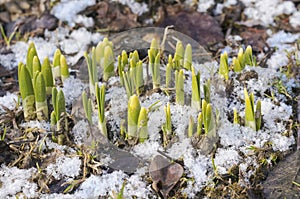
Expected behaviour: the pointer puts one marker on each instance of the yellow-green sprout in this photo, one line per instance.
(168, 125)
(208, 119)
(179, 87)
(100, 98)
(143, 125)
(64, 68)
(178, 56)
(134, 108)
(108, 63)
(27, 92)
(31, 53)
(223, 69)
(47, 74)
(187, 62)
(92, 69)
(252, 118)
(56, 65)
(196, 98)
(40, 97)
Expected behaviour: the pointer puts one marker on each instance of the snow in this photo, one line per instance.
(64, 167)
(264, 11)
(9, 101)
(226, 158)
(204, 5)
(66, 10)
(72, 89)
(294, 19)
(14, 180)
(136, 7)
(8, 61)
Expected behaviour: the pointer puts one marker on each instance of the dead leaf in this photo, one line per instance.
(164, 174)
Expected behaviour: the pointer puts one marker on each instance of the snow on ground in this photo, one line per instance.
(234, 139)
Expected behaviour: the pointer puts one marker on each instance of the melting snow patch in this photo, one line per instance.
(198, 169)
(8, 61)
(64, 167)
(96, 186)
(14, 180)
(9, 101)
(72, 89)
(264, 11)
(67, 10)
(226, 158)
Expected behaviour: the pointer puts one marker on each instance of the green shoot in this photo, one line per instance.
(143, 125)
(179, 86)
(187, 63)
(196, 98)
(100, 98)
(47, 74)
(40, 97)
(64, 68)
(134, 108)
(223, 69)
(27, 92)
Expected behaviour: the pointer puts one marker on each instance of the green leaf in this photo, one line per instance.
(178, 56)
(139, 77)
(134, 108)
(188, 57)
(108, 63)
(64, 68)
(179, 84)
(196, 98)
(31, 52)
(143, 125)
(236, 65)
(60, 104)
(27, 93)
(56, 65)
(241, 58)
(36, 65)
(249, 110)
(223, 69)
(47, 74)
(40, 97)
(248, 57)
(100, 98)
(156, 72)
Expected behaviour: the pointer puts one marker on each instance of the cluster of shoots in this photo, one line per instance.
(88, 107)
(130, 70)
(137, 120)
(205, 119)
(238, 63)
(101, 57)
(253, 116)
(36, 82)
